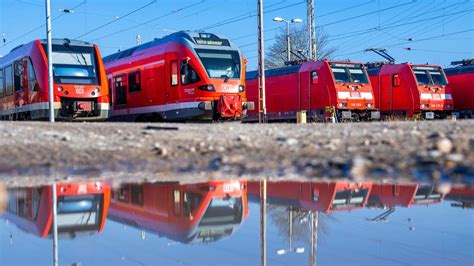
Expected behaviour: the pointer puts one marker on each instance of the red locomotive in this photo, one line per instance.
(183, 76)
(81, 208)
(316, 196)
(405, 195)
(80, 83)
(411, 90)
(316, 87)
(461, 81)
(186, 213)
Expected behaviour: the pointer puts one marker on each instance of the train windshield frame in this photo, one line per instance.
(223, 64)
(429, 76)
(223, 211)
(349, 73)
(79, 213)
(74, 65)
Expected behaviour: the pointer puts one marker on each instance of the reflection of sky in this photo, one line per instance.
(442, 235)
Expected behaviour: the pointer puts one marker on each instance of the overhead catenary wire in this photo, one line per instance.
(119, 18)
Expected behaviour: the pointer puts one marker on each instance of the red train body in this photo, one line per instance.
(315, 86)
(315, 196)
(404, 195)
(183, 76)
(82, 208)
(80, 84)
(409, 90)
(186, 213)
(461, 82)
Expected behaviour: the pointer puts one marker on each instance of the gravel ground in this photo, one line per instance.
(39, 152)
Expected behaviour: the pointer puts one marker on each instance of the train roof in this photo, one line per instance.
(58, 41)
(192, 38)
(274, 72)
(459, 70)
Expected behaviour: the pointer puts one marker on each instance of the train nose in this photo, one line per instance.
(230, 106)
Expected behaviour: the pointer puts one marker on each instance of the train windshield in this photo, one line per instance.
(348, 198)
(429, 76)
(349, 73)
(223, 211)
(78, 213)
(74, 65)
(220, 64)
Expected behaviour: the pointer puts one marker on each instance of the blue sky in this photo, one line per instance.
(442, 30)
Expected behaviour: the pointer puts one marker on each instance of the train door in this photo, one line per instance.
(386, 95)
(120, 91)
(20, 81)
(305, 89)
(172, 92)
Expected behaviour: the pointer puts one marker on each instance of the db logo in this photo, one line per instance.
(82, 189)
(229, 88)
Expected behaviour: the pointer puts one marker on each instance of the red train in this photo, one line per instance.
(186, 213)
(80, 83)
(404, 195)
(315, 87)
(81, 208)
(461, 81)
(315, 196)
(410, 90)
(183, 76)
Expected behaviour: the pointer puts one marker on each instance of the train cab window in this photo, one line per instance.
(188, 74)
(177, 202)
(18, 74)
(174, 73)
(314, 78)
(121, 90)
(8, 80)
(32, 83)
(134, 84)
(2, 87)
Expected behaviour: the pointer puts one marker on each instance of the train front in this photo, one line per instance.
(435, 96)
(220, 77)
(355, 97)
(80, 84)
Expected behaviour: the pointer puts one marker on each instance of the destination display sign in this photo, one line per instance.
(212, 42)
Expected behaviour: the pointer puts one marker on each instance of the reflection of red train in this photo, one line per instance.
(82, 208)
(405, 195)
(464, 197)
(183, 76)
(314, 86)
(80, 84)
(461, 81)
(406, 90)
(186, 213)
(316, 196)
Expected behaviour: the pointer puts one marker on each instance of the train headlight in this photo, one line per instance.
(368, 105)
(97, 90)
(448, 106)
(241, 88)
(208, 87)
(342, 104)
(60, 89)
(66, 92)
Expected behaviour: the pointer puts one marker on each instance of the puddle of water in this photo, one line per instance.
(219, 223)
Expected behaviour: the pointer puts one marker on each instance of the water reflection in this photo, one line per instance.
(192, 213)
(81, 209)
(208, 223)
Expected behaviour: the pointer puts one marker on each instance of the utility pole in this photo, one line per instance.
(262, 102)
(55, 226)
(263, 222)
(313, 55)
(50, 61)
(288, 42)
(314, 237)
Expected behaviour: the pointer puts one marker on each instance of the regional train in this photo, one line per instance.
(81, 208)
(181, 77)
(411, 90)
(187, 213)
(80, 83)
(319, 88)
(461, 81)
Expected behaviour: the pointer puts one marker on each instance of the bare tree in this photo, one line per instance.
(277, 54)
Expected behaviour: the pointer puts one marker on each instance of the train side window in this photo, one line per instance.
(314, 78)
(137, 194)
(121, 90)
(174, 73)
(177, 202)
(396, 80)
(8, 80)
(188, 74)
(2, 87)
(18, 74)
(32, 83)
(134, 84)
